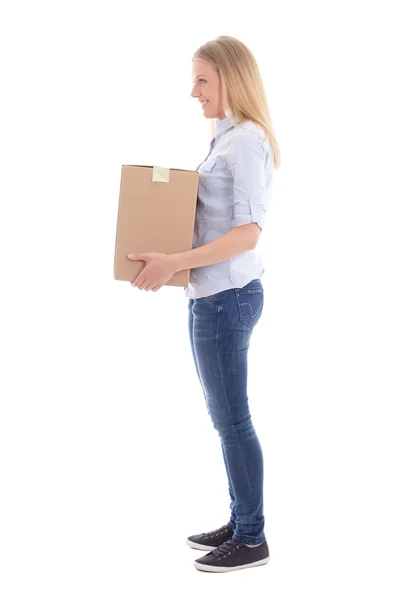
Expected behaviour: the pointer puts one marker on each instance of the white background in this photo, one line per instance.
(108, 458)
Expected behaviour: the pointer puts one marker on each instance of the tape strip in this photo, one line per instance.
(161, 174)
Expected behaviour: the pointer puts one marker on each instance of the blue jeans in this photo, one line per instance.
(220, 328)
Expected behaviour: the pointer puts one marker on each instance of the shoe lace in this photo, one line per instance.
(227, 547)
(219, 531)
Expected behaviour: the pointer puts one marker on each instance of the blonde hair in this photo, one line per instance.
(242, 86)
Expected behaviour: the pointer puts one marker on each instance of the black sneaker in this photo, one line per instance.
(233, 555)
(210, 540)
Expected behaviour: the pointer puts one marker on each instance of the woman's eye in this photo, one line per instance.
(201, 79)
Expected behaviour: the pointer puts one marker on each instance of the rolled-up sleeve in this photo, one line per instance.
(246, 161)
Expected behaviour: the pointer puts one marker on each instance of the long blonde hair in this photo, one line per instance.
(242, 86)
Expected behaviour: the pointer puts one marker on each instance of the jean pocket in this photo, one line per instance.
(251, 303)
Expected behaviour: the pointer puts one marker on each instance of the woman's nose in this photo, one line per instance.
(194, 91)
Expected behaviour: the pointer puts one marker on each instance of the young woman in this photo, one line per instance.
(225, 292)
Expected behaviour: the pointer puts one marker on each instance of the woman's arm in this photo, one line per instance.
(239, 239)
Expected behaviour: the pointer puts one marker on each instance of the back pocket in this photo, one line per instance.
(251, 303)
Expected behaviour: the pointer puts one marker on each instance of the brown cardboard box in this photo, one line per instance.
(156, 213)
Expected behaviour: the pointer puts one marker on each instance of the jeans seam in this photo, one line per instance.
(230, 415)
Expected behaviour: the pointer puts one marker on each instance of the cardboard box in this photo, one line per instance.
(156, 213)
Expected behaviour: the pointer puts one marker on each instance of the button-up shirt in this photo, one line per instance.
(235, 185)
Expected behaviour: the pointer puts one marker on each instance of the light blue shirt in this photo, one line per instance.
(235, 185)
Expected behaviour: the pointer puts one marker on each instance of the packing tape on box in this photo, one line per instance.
(161, 174)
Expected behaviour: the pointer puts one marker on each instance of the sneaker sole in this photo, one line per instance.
(211, 569)
(200, 546)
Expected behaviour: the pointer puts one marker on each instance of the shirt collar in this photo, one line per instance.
(224, 125)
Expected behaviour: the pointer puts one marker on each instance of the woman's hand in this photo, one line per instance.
(158, 270)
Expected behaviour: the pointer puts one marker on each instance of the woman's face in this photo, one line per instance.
(207, 88)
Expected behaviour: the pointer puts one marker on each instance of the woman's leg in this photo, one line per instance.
(222, 328)
(232, 520)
